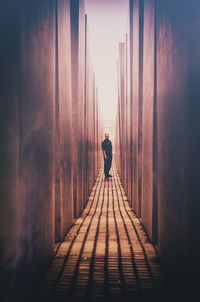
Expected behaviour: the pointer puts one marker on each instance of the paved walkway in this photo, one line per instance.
(106, 254)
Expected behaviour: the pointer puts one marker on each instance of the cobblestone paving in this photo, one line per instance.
(106, 254)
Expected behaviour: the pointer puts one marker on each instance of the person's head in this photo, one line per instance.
(106, 136)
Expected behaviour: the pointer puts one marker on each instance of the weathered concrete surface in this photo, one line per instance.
(106, 254)
(122, 108)
(92, 125)
(118, 126)
(64, 142)
(148, 152)
(134, 95)
(178, 91)
(78, 65)
(123, 145)
(27, 54)
(38, 152)
(84, 107)
(128, 123)
(164, 93)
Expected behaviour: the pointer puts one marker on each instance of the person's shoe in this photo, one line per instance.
(106, 177)
(110, 175)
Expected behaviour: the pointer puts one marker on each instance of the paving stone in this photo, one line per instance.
(106, 254)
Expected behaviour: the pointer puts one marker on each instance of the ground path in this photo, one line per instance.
(106, 254)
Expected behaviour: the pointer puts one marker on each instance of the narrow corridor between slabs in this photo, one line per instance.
(106, 254)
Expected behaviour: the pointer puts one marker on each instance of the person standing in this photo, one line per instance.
(107, 155)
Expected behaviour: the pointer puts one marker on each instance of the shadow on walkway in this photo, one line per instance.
(106, 254)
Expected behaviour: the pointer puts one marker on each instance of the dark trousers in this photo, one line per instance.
(107, 165)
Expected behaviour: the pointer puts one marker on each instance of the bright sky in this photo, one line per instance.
(108, 24)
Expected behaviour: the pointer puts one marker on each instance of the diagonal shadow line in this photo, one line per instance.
(129, 242)
(92, 261)
(74, 279)
(68, 231)
(119, 248)
(106, 275)
(139, 239)
(51, 295)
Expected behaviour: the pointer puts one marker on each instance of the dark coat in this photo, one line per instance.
(107, 147)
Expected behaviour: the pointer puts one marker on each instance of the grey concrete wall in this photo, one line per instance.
(78, 61)
(64, 142)
(164, 97)
(43, 138)
(178, 91)
(134, 95)
(148, 121)
(84, 106)
(128, 122)
(92, 126)
(123, 143)
(122, 106)
(97, 134)
(118, 126)
(27, 54)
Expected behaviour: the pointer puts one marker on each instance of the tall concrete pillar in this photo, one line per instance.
(122, 99)
(98, 133)
(119, 125)
(134, 96)
(64, 142)
(78, 73)
(149, 214)
(164, 123)
(128, 121)
(42, 133)
(89, 116)
(86, 180)
(27, 100)
(178, 109)
(94, 129)
(140, 102)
